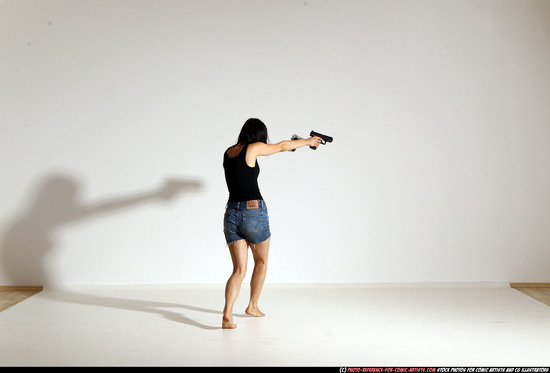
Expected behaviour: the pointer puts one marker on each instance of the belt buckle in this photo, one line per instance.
(252, 205)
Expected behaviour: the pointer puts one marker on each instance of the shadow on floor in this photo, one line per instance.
(137, 305)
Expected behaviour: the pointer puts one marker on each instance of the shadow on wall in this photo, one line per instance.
(30, 237)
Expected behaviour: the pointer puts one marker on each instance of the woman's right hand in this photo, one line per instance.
(314, 141)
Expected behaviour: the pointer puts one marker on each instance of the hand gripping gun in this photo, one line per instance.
(313, 133)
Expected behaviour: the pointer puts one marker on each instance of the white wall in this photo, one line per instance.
(439, 170)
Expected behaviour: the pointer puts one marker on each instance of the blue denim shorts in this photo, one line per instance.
(241, 223)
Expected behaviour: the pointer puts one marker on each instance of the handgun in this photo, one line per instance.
(324, 137)
(313, 133)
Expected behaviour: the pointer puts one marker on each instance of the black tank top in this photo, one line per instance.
(242, 180)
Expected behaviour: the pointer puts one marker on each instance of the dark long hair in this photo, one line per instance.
(254, 130)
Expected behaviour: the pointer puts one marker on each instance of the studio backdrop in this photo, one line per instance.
(115, 114)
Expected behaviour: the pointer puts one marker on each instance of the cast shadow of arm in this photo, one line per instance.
(167, 192)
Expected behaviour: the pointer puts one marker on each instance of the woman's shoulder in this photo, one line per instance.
(234, 150)
(256, 145)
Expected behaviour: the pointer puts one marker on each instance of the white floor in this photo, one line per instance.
(306, 325)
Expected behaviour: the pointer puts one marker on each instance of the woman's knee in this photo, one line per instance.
(260, 261)
(239, 272)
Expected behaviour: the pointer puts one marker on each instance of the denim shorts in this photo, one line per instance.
(240, 223)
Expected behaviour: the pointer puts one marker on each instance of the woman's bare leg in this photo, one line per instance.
(239, 256)
(260, 253)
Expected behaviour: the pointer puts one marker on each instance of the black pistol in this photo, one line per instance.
(324, 137)
(313, 133)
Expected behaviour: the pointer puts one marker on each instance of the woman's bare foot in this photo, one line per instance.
(227, 322)
(254, 312)
(228, 325)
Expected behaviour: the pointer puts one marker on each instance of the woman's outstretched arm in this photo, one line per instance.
(261, 149)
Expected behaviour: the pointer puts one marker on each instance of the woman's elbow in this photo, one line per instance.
(285, 146)
(279, 147)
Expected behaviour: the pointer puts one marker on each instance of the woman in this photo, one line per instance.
(246, 222)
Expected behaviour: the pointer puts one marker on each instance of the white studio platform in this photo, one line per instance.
(305, 325)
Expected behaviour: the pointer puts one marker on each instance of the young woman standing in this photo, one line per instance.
(246, 221)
